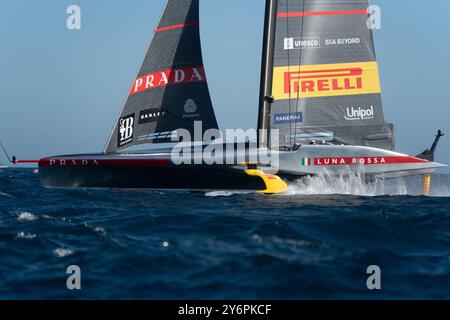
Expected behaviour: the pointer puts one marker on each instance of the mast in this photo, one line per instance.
(267, 73)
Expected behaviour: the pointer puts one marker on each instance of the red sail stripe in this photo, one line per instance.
(58, 162)
(321, 13)
(177, 26)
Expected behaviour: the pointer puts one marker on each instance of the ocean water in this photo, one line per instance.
(315, 242)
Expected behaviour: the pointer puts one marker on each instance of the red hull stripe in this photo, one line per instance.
(321, 13)
(178, 26)
(156, 163)
(349, 161)
(26, 161)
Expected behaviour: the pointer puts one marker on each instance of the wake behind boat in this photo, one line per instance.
(320, 110)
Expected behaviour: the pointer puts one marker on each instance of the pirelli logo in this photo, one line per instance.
(326, 80)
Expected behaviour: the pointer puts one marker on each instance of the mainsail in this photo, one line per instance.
(324, 82)
(170, 91)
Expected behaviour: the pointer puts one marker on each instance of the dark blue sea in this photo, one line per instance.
(140, 244)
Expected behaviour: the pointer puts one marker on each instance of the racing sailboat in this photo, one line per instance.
(320, 101)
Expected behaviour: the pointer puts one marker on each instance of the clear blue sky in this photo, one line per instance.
(61, 90)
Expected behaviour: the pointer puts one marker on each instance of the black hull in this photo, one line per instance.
(183, 178)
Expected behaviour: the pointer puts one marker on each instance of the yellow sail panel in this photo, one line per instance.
(326, 80)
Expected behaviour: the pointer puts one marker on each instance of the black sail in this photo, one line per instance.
(325, 77)
(170, 91)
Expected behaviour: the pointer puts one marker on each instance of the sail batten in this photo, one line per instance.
(325, 75)
(177, 26)
(170, 91)
(321, 13)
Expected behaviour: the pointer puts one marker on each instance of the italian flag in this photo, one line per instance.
(306, 162)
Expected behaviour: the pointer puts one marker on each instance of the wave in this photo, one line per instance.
(25, 235)
(215, 194)
(26, 216)
(62, 252)
(6, 195)
(290, 242)
(353, 184)
(100, 230)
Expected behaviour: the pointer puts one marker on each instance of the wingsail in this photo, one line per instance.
(170, 91)
(325, 79)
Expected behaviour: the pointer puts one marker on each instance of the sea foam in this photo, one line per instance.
(25, 235)
(348, 185)
(62, 252)
(26, 216)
